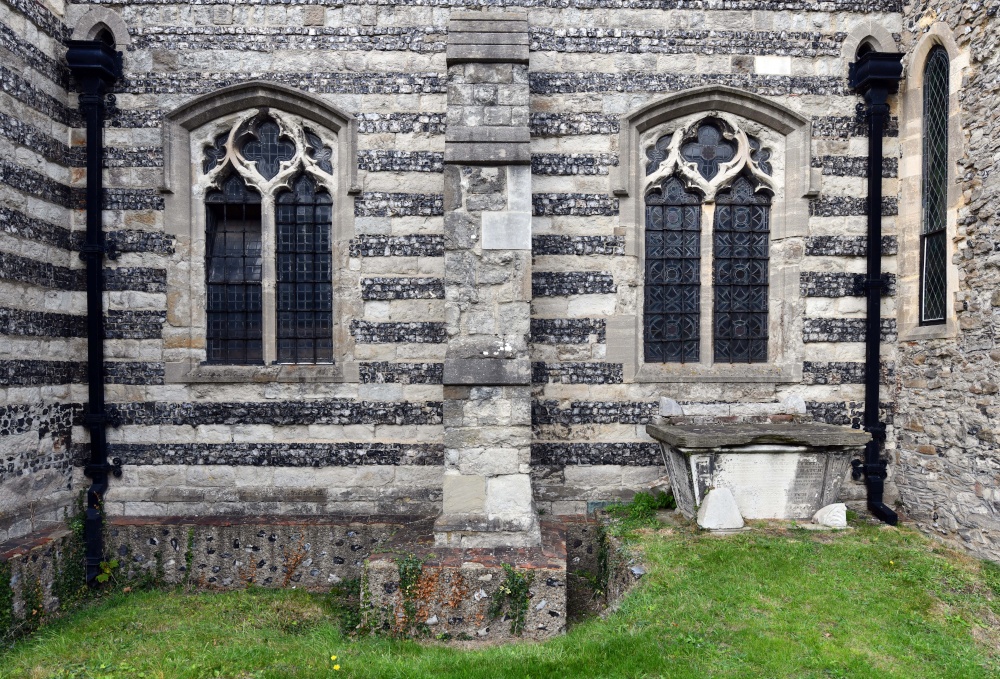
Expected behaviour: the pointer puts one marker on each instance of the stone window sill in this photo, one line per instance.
(195, 373)
(917, 333)
(751, 372)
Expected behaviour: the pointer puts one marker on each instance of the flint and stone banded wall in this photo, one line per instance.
(40, 278)
(374, 442)
(589, 414)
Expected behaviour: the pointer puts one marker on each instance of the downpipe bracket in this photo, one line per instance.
(89, 251)
(114, 468)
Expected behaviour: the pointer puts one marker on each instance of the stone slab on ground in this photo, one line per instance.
(722, 435)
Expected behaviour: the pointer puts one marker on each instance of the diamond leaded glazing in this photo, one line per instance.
(673, 273)
(933, 240)
(305, 275)
(710, 150)
(740, 276)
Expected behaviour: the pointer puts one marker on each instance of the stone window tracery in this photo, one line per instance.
(708, 190)
(268, 185)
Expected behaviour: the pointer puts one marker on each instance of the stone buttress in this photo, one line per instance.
(487, 202)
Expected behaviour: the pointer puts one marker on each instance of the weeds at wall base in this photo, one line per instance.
(7, 619)
(512, 598)
(343, 602)
(23, 594)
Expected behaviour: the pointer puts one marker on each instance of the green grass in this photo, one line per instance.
(872, 602)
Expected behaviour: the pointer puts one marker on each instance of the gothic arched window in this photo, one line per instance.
(934, 225)
(708, 188)
(269, 258)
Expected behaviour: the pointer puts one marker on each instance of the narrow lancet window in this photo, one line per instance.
(673, 274)
(740, 277)
(233, 274)
(933, 234)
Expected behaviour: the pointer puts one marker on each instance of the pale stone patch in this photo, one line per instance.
(719, 511)
(832, 516)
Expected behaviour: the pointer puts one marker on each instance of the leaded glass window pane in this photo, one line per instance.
(233, 275)
(304, 274)
(740, 276)
(933, 240)
(673, 279)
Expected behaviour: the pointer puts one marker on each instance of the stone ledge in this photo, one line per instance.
(490, 38)
(487, 153)
(478, 37)
(716, 436)
(515, 528)
(482, 134)
(486, 54)
(25, 544)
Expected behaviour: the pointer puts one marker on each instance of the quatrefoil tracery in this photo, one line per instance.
(269, 150)
(707, 155)
(709, 150)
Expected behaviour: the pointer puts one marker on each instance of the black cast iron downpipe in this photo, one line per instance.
(96, 67)
(875, 75)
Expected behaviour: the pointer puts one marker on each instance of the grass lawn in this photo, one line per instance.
(871, 602)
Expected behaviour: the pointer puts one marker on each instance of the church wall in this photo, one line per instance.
(371, 441)
(948, 466)
(41, 298)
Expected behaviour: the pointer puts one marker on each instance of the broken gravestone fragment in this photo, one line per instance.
(832, 516)
(719, 511)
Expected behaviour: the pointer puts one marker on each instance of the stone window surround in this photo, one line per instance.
(96, 19)
(795, 181)
(186, 131)
(870, 33)
(910, 220)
